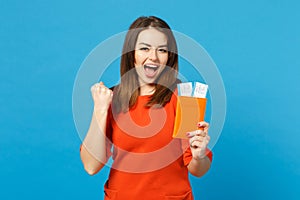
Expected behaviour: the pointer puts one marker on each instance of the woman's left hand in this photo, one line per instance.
(199, 140)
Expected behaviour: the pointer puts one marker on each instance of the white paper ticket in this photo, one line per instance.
(200, 90)
(185, 89)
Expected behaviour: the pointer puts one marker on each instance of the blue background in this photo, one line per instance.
(255, 45)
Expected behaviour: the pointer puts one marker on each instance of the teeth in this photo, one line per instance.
(154, 67)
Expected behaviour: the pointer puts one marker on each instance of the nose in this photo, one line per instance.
(152, 54)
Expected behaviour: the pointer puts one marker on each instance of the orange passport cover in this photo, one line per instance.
(189, 111)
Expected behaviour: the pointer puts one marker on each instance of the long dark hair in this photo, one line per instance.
(127, 92)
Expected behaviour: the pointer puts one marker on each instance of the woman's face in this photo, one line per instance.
(151, 55)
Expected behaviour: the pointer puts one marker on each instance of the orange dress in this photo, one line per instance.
(148, 163)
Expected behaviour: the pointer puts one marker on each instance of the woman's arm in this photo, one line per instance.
(93, 149)
(199, 140)
(93, 152)
(199, 167)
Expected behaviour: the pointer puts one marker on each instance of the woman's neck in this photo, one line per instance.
(147, 89)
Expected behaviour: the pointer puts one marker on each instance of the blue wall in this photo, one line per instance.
(255, 45)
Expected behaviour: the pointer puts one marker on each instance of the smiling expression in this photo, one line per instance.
(151, 55)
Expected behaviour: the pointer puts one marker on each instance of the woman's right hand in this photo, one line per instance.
(102, 96)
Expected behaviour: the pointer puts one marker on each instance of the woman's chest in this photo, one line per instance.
(143, 130)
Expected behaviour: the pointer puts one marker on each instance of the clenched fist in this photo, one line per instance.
(102, 96)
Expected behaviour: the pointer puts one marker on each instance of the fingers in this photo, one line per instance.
(102, 97)
(199, 141)
(203, 125)
(196, 144)
(198, 132)
(199, 138)
(100, 88)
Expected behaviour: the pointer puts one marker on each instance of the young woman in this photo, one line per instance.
(137, 118)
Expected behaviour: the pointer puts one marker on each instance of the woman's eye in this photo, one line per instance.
(163, 50)
(144, 48)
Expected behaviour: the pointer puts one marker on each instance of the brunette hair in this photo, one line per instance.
(127, 92)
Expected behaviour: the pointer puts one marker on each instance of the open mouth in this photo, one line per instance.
(150, 70)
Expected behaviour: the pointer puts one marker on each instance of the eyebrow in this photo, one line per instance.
(143, 43)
